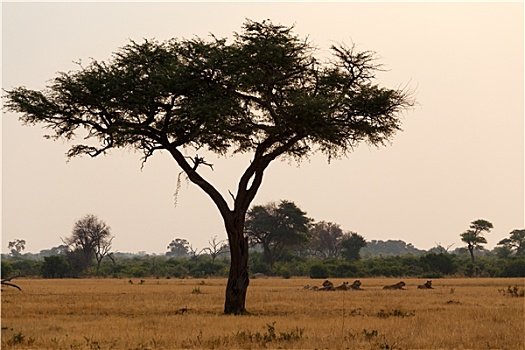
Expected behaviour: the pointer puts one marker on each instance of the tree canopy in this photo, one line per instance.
(277, 228)
(178, 247)
(516, 241)
(16, 246)
(90, 238)
(263, 93)
(351, 245)
(474, 236)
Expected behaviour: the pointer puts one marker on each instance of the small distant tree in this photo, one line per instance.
(59, 250)
(216, 248)
(55, 267)
(194, 253)
(17, 246)
(351, 245)
(440, 249)
(474, 236)
(178, 247)
(516, 242)
(326, 239)
(90, 238)
(503, 252)
(277, 228)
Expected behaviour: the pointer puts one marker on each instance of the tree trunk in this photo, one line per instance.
(238, 278)
(471, 250)
(98, 266)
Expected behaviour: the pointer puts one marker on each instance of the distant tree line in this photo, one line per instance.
(283, 242)
(427, 265)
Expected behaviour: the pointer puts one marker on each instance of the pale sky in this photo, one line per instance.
(459, 158)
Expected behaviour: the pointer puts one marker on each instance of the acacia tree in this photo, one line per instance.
(277, 228)
(516, 241)
(264, 93)
(474, 236)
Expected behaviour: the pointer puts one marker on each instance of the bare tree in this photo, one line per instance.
(193, 252)
(216, 248)
(102, 249)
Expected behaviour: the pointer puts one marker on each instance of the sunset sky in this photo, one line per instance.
(459, 158)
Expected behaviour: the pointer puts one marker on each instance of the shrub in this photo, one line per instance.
(26, 267)
(438, 264)
(7, 269)
(514, 268)
(318, 271)
(55, 266)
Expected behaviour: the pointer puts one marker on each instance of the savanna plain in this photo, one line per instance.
(476, 313)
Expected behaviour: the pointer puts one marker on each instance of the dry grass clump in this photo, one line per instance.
(187, 314)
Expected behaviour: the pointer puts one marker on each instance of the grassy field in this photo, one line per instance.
(150, 314)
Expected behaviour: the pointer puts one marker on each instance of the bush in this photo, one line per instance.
(55, 267)
(208, 267)
(318, 271)
(437, 264)
(257, 264)
(7, 269)
(178, 271)
(514, 268)
(283, 271)
(26, 267)
(345, 269)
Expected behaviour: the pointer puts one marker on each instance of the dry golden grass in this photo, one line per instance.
(114, 314)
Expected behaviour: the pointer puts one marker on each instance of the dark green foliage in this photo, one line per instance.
(430, 265)
(297, 266)
(516, 242)
(208, 268)
(318, 271)
(55, 267)
(257, 263)
(375, 248)
(7, 269)
(474, 236)
(393, 266)
(26, 267)
(346, 269)
(350, 247)
(440, 264)
(278, 228)
(513, 267)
